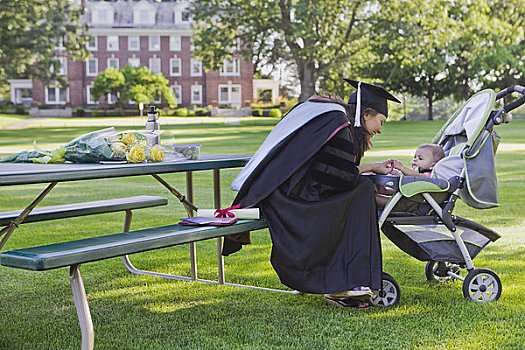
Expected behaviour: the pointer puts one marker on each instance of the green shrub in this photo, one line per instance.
(79, 112)
(182, 112)
(257, 112)
(191, 113)
(96, 113)
(19, 109)
(200, 112)
(276, 113)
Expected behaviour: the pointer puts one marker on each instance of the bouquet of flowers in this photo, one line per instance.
(135, 146)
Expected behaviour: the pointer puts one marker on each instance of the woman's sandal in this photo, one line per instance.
(348, 302)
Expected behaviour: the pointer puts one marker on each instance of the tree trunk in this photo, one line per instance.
(308, 78)
(430, 98)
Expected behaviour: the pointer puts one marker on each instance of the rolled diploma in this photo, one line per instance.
(250, 213)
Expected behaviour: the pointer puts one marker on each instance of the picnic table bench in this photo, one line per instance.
(75, 253)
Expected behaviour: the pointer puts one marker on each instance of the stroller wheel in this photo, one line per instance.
(438, 271)
(482, 285)
(389, 294)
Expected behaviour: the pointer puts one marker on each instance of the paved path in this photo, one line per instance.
(21, 124)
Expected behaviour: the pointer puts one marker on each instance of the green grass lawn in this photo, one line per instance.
(138, 312)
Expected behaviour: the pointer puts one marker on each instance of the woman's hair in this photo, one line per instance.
(360, 136)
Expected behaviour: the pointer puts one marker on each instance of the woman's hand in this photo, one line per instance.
(382, 168)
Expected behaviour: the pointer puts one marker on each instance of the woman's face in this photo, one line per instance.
(374, 123)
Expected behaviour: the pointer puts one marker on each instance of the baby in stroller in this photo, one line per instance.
(425, 158)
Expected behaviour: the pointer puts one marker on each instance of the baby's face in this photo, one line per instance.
(423, 159)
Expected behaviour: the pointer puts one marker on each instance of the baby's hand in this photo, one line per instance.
(397, 164)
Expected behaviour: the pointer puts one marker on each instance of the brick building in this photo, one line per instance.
(152, 34)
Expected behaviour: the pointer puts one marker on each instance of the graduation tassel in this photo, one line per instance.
(357, 121)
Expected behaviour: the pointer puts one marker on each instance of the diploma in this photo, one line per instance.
(249, 213)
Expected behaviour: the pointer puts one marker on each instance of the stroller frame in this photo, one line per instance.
(480, 285)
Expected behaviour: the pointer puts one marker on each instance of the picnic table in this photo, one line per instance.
(75, 253)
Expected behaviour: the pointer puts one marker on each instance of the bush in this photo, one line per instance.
(97, 114)
(276, 113)
(19, 109)
(257, 112)
(79, 112)
(182, 112)
(191, 113)
(200, 112)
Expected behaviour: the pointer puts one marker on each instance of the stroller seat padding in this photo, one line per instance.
(412, 185)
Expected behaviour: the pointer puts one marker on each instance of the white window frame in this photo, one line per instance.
(63, 66)
(151, 60)
(235, 63)
(134, 59)
(175, 43)
(108, 12)
(172, 61)
(130, 40)
(112, 43)
(57, 95)
(196, 88)
(113, 59)
(88, 72)
(177, 89)
(110, 100)
(188, 18)
(151, 48)
(89, 96)
(95, 41)
(229, 87)
(196, 62)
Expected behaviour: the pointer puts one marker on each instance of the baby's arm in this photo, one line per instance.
(407, 171)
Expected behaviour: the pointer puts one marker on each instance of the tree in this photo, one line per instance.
(411, 48)
(313, 35)
(31, 31)
(132, 83)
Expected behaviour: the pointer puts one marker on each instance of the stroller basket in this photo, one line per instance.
(431, 242)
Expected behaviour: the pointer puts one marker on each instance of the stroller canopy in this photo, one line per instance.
(470, 150)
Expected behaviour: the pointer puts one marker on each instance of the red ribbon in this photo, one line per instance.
(222, 213)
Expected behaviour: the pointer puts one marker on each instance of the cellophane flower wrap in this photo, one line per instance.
(103, 145)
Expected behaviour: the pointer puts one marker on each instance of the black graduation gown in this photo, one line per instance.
(321, 214)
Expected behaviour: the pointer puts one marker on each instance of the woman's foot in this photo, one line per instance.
(348, 302)
(357, 292)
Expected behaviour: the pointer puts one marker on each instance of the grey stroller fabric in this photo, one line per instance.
(471, 149)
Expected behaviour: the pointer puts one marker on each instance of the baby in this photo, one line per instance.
(426, 157)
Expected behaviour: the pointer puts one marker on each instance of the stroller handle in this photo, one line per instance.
(509, 90)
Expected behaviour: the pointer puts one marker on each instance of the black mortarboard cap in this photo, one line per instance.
(372, 96)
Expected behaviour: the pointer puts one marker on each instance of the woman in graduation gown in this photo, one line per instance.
(321, 214)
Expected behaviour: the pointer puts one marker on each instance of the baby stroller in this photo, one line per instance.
(447, 242)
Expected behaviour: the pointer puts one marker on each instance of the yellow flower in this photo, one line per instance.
(156, 154)
(128, 138)
(136, 154)
(118, 147)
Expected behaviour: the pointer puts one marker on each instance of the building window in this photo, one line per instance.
(112, 43)
(143, 14)
(230, 67)
(177, 91)
(175, 43)
(63, 66)
(154, 65)
(91, 67)
(134, 43)
(175, 67)
(56, 95)
(113, 62)
(103, 15)
(112, 99)
(196, 68)
(196, 94)
(89, 97)
(185, 16)
(92, 43)
(134, 61)
(192, 47)
(230, 95)
(154, 43)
